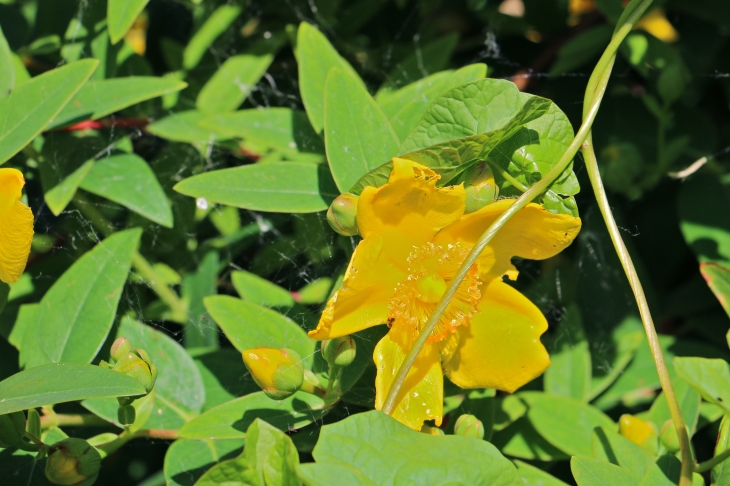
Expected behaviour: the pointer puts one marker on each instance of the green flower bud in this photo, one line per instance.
(12, 429)
(342, 214)
(73, 462)
(126, 414)
(120, 347)
(278, 372)
(481, 190)
(668, 437)
(469, 426)
(125, 400)
(131, 364)
(339, 351)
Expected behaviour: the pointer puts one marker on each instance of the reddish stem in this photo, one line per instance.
(107, 123)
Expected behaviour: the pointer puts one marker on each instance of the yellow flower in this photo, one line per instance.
(16, 226)
(415, 237)
(656, 23)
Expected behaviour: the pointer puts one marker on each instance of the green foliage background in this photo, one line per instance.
(216, 264)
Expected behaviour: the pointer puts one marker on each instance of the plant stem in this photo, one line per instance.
(79, 420)
(710, 463)
(141, 265)
(507, 176)
(126, 436)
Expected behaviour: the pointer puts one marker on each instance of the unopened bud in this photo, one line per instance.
(339, 351)
(278, 372)
(342, 214)
(12, 429)
(146, 357)
(126, 415)
(120, 347)
(469, 426)
(668, 437)
(131, 364)
(427, 429)
(73, 462)
(481, 190)
(639, 432)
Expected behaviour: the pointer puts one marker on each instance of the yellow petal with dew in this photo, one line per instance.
(16, 226)
(422, 395)
(501, 347)
(409, 210)
(532, 233)
(362, 301)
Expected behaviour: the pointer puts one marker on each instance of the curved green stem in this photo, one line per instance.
(710, 463)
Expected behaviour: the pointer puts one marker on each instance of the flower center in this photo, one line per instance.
(430, 270)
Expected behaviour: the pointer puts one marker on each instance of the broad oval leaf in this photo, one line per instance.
(179, 392)
(224, 377)
(7, 69)
(128, 180)
(706, 232)
(595, 472)
(187, 460)
(32, 105)
(63, 382)
(710, 377)
(569, 373)
(231, 419)
(120, 15)
(285, 187)
(248, 325)
(357, 134)
(387, 452)
(260, 291)
(316, 57)
(100, 98)
(76, 314)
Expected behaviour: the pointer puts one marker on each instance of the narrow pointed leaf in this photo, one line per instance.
(120, 15)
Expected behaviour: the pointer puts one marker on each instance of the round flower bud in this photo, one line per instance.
(342, 214)
(146, 357)
(73, 462)
(12, 429)
(481, 190)
(126, 414)
(469, 426)
(120, 347)
(668, 437)
(132, 365)
(639, 432)
(339, 351)
(278, 372)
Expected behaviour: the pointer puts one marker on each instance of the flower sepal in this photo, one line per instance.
(73, 462)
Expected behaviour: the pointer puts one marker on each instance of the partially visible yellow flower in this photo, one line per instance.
(639, 432)
(16, 226)
(136, 36)
(579, 7)
(656, 23)
(415, 238)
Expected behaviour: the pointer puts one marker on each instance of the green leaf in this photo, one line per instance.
(689, 404)
(569, 373)
(584, 47)
(100, 98)
(520, 439)
(7, 67)
(268, 458)
(282, 129)
(260, 291)
(532, 476)
(617, 449)
(63, 382)
(120, 15)
(184, 127)
(665, 472)
(721, 473)
(231, 419)
(128, 180)
(32, 105)
(405, 107)
(214, 26)
(316, 57)
(187, 460)
(224, 377)
(77, 312)
(285, 187)
(248, 325)
(386, 452)
(595, 472)
(315, 292)
(718, 279)
(425, 60)
(179, 391)
(710, 377)
(236, 78)
(549, 414)
(201, 330)
(358, 136)
(706, 232)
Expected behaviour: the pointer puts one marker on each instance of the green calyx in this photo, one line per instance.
(339, 352)
(288, 377)
(126, 414)
(135, 363)
(74, 462)
(469, 426)
(342, 214)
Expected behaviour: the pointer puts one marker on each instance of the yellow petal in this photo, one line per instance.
(532, 233)
(422, 395)
(409, 209)
(656, 23)
(501, 347)
(16, 226)
(362, 301)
